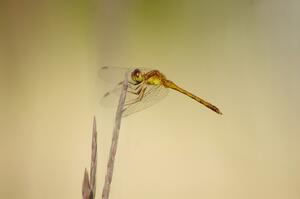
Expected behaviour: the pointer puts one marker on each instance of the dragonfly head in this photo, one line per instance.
(137, 75)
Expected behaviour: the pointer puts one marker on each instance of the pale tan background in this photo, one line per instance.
(242, 55)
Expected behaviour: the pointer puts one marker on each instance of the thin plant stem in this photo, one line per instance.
(114, 143)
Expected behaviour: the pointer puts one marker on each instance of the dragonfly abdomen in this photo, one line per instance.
(170, 84)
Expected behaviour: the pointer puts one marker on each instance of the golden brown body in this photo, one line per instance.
(155, 77)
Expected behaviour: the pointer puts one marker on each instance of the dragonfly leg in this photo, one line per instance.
(135, 99)
(134, 83)
(134, 86)
(144, 94)
(140, 94)
(136, 91)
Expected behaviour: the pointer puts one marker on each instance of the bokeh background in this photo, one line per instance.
(241, 55)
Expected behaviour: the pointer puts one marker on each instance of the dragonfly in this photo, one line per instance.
(146, 87)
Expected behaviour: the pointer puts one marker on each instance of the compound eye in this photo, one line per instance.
(136, 75)
(136, 72)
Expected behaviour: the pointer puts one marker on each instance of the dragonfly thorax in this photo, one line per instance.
(154, 77)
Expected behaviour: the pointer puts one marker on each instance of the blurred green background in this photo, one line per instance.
(241, 55)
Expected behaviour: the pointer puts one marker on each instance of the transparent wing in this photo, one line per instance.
(112, 86)
(134, 101)
(114, 75)
(152, 95)
(111, 98)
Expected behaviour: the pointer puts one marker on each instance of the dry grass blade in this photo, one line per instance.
(94, 159)
(86, 189)
(114, 144)
(89, 182)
